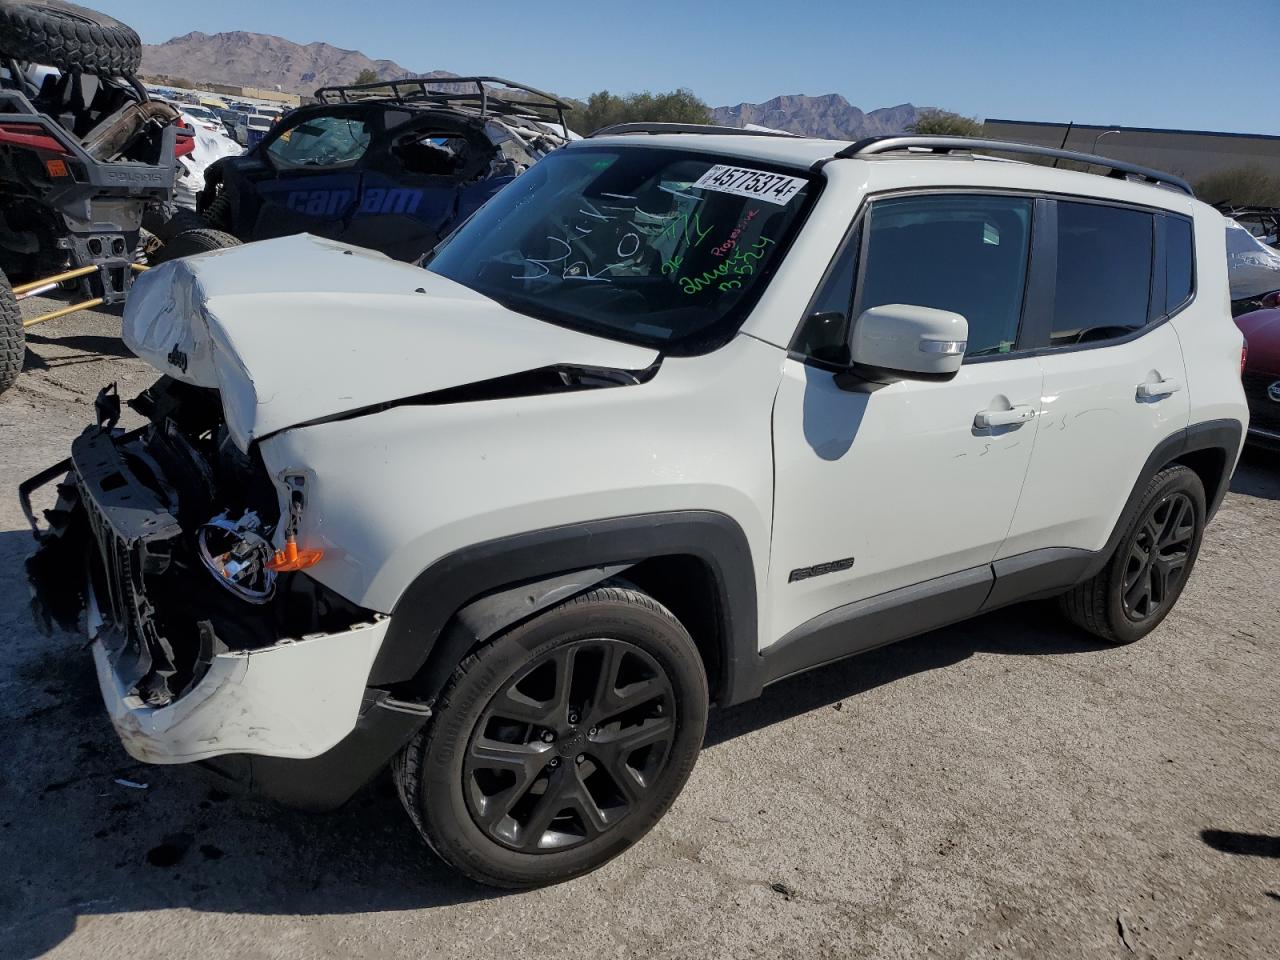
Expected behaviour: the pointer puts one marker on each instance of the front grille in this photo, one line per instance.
(135, 534)
(117, 576)
(1264, 413)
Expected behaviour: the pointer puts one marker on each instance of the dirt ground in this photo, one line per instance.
(1005, 788)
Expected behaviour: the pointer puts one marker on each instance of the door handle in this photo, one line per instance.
(1161, 388)
(1015, 417)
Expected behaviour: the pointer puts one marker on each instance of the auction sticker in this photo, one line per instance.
(771, 187)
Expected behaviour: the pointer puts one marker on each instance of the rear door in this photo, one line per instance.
(1114, 382)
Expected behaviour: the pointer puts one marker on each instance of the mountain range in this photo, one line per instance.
(260, 60)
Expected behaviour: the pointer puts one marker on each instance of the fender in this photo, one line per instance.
(1223, 436)
(589, 552)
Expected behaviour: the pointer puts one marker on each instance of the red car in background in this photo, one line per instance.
(1261, 330)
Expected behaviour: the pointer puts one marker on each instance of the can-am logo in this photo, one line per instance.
(1273, 391)
(374, 201)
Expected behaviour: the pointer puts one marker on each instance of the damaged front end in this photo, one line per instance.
(164, 545)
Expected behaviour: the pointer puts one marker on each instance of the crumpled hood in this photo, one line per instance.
(300, 328)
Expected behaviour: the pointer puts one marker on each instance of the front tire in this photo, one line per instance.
(1145, 576)
(557, 746)
(188, 243)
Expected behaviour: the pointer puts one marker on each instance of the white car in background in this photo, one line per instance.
(675, 415)
(202, 118)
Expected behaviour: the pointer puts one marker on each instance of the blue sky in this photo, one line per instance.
(1173, 63)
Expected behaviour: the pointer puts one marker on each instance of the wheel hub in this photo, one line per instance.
(570, 746)
(570, 742)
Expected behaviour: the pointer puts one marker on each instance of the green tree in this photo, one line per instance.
(1245, 186)
(366, 76)
(944, 123)
(604, 109)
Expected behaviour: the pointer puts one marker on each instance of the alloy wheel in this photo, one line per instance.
(570, 746)
(1158, 556)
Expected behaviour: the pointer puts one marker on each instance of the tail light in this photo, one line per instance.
(185, 142)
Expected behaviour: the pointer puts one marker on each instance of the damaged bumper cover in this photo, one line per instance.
(115, 558)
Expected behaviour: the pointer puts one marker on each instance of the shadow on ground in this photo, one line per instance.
(80, 843)
(1243, 844)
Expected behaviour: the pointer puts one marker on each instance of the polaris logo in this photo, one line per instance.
(818, 569)
(131, 176)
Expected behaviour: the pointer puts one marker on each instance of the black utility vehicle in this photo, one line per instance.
(392, 165)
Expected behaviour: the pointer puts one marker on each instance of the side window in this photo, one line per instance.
(433, 154)
(1179, 270)
(962, 253)
(1104, 273)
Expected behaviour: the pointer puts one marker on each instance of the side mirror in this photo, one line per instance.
(901, 341)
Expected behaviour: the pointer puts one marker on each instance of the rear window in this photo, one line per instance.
(1179, 263)
(1104, 272)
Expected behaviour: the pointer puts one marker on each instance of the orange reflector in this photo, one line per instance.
(56, 168)
(291, 558)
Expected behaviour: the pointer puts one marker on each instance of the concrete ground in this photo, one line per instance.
(1005, 788)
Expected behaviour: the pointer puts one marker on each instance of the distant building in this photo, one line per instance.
(1191, 154)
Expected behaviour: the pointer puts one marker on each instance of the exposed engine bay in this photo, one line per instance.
(164, 539)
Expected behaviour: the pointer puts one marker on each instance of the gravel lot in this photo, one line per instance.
(1002, 788)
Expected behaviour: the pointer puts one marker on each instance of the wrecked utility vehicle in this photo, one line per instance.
(392, 166)
(87, 163)
(679, 413)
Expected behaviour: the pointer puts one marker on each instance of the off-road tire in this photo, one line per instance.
(69, 37)
(190, 242)
(429, 771)
(12, 338)
(166, 220)
(218, 213)
(1098, 605)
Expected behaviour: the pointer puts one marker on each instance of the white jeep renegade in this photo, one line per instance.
(675, 415)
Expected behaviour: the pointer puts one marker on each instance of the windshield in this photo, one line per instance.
(319, 142)
(664, 248)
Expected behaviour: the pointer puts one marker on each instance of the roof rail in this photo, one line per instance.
(417, 90)
(872, 146)
(622, 129)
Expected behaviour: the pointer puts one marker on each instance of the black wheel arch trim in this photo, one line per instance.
(1210, 435)
(435, 620)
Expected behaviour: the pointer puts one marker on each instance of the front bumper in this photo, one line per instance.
(112, 559)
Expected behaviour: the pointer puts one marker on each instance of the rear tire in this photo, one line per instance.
(557, 746)
(69, 37)
(190, 242)
(1145, 576)
(12, 337)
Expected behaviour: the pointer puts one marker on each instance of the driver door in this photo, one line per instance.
(317, 187)
(885, 487)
